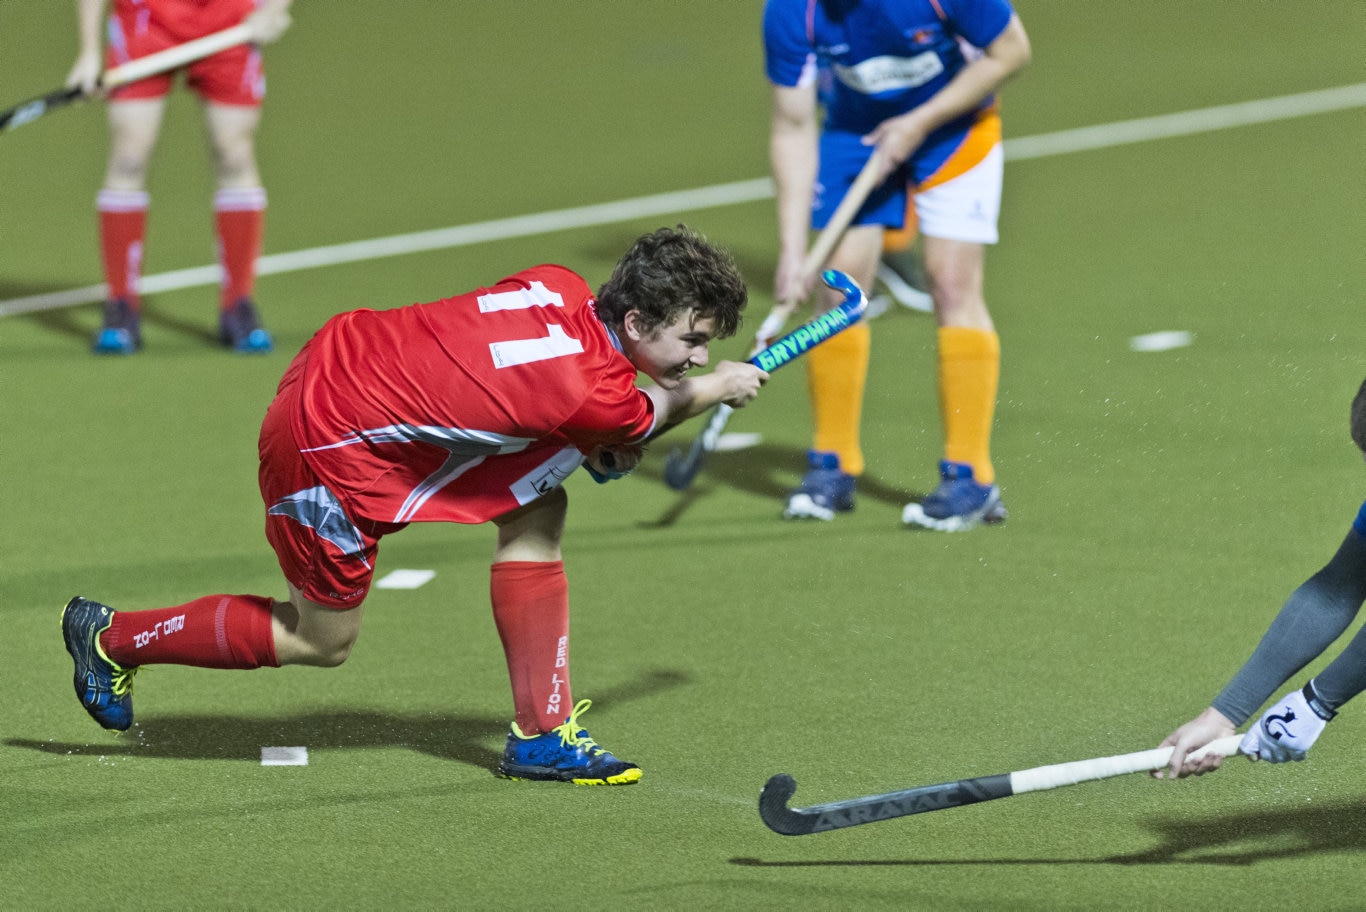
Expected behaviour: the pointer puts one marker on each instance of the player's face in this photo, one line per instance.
(667, 353)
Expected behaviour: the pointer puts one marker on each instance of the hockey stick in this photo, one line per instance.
(131, 71)
(681, 468)
(856, 811)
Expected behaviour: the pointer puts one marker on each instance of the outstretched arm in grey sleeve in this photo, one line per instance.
(1315, 615)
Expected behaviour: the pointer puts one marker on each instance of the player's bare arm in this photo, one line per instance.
(793, 143)
(734, 383)
(898, 137)
(85, 72)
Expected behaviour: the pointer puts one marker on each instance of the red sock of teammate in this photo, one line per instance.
(239, 216)
(531, 609)
(216, 631)
(123, 226)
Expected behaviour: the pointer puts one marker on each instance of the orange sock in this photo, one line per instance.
(123, 227)
(531, 610)
(239, 216)
(969, 371)
(836, 372)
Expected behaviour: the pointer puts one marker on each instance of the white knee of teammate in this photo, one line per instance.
(1289, 728)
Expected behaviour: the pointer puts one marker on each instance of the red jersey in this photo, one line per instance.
(465, 408)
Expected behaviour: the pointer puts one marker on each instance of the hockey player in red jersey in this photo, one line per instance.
(470, 409)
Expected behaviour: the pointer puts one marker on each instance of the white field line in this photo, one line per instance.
(1062, 142)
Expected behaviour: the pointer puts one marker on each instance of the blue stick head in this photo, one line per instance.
(855, 301)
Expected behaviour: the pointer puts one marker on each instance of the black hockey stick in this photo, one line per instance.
(857, 811)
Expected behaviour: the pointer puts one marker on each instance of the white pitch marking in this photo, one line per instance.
(1061, 142)
(405, 579)
(284, 756)
(728, 443)
(1161, 341)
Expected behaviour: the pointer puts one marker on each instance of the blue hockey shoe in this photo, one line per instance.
(121, 333)
(104, 688)
(825, 490)
(239, 328)
(958, 504)
(564, 754)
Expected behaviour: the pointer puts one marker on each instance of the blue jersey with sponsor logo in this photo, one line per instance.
(876, 58)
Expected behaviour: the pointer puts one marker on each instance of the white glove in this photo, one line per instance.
(1288, 729)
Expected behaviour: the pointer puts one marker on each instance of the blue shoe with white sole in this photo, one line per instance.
(958, 504)
(826, 489)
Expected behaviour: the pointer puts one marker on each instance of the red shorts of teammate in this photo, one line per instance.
(324, 553)
(141, 27)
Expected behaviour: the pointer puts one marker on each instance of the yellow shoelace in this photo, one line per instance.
(122, 679)
(571, 736)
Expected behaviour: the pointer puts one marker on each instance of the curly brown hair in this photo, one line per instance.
(669, 272)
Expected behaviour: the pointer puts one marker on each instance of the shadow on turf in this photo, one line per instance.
(464, 739)
(82, 320)
(1240, 839)
(768, 471)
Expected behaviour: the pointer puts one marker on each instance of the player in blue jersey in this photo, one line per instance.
(1314, 616)
(914, 80)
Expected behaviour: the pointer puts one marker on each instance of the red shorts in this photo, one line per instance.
(324, 553)
(232, 77)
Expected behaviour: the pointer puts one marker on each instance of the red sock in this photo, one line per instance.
(240, 217)
(123, 226)
(531, 609)
(216, 631)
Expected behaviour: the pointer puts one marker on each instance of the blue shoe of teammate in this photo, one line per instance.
(564, 754)
(104, 688)
(121, 333)
(825, 490)
(958, 504)
(239, 328)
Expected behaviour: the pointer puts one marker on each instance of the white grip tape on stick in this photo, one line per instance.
(1059, 774)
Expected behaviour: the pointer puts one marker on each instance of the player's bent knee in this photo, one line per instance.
(308, 633)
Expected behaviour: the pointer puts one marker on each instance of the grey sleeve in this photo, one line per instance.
(1315, 615)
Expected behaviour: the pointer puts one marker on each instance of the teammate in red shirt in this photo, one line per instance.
(470, 409)
(232, 84)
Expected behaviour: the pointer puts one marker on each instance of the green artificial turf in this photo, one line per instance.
(1162, 504)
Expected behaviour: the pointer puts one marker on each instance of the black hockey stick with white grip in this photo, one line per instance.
(132, 71)
(836, 815)
(680, 467)
(679, 471)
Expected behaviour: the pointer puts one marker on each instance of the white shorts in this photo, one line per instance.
(965, 208)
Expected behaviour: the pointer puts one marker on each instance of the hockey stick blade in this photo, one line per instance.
(34, 108)
(681, 468)
(855, 811)
(837, 815)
